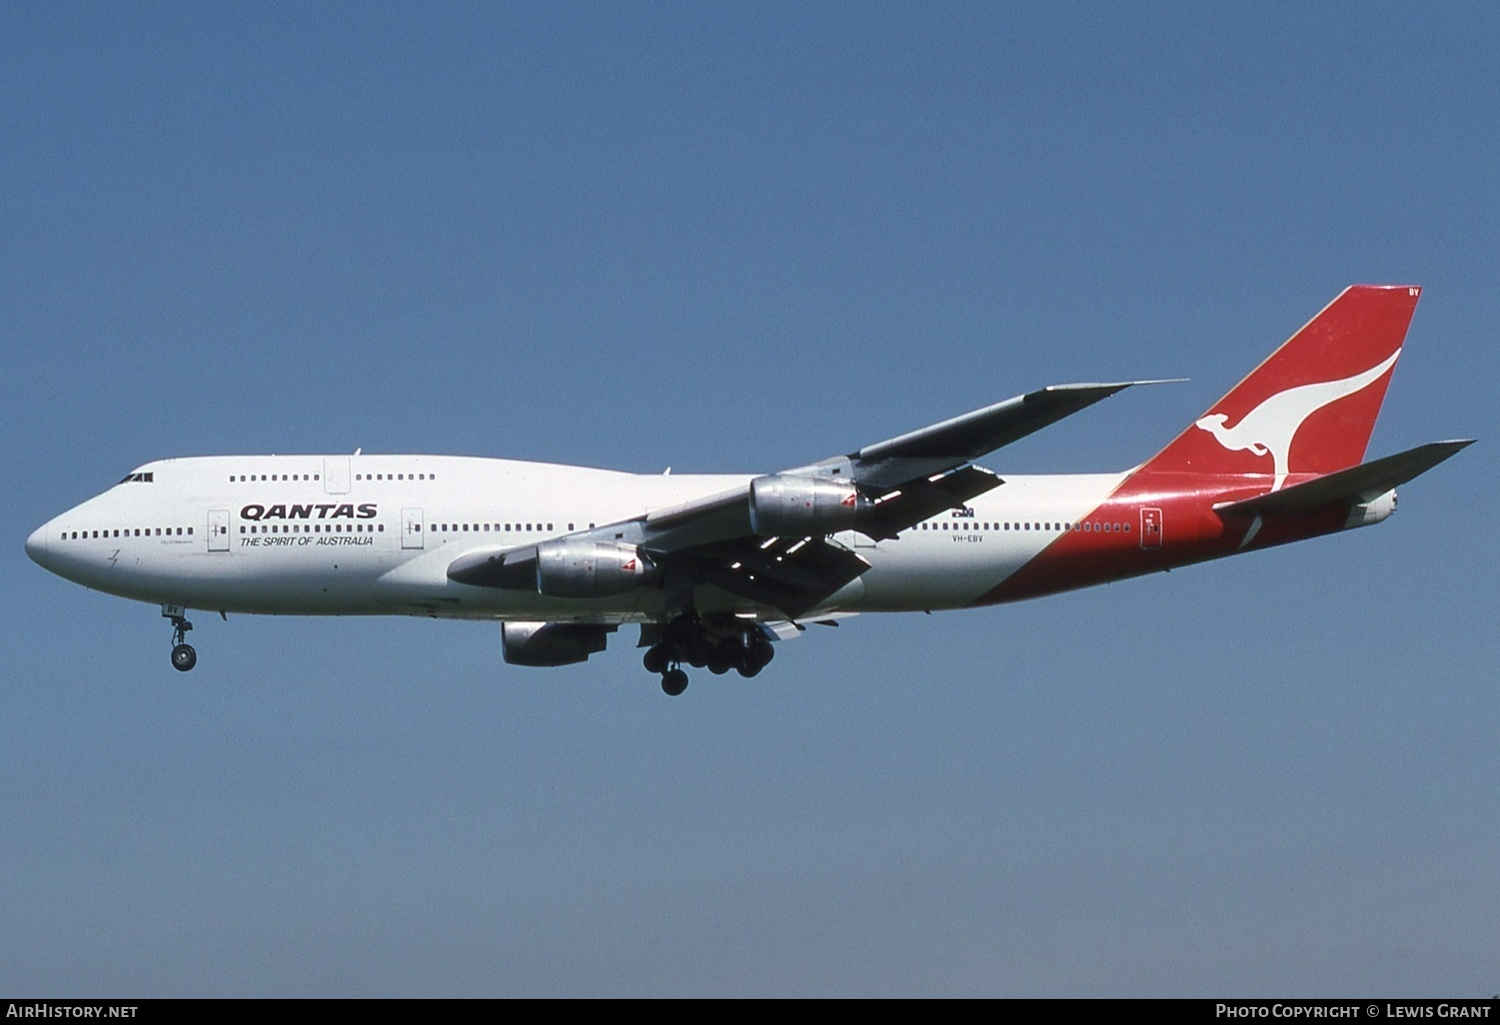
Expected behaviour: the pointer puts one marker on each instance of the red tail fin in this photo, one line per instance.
(1310, 407)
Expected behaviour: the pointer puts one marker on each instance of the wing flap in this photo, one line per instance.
(790, 574)
(915, 501)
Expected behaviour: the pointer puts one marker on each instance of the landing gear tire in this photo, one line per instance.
(681, 629)
(757, 656)
(730, 654)
(699, 652)
(674, 682)
(655, 660)
(183, 655)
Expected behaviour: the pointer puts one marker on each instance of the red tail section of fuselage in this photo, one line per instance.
(1308, 410)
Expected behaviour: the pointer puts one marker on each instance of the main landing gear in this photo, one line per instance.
(183, 655)
(687, 639)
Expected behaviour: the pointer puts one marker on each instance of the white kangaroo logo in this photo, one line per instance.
(1270, 427)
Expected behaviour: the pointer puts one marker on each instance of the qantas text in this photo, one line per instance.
(326, 511)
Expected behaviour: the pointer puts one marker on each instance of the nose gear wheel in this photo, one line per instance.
(183, 655)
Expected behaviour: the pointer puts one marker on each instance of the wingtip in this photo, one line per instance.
(1110, 385)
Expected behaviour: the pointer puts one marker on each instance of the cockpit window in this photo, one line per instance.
(143, 478)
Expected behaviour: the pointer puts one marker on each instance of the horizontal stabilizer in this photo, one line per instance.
(1349, 487)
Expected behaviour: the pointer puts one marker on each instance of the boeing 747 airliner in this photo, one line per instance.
(714, 568)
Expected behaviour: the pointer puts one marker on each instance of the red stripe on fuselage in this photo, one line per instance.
(1107, 544)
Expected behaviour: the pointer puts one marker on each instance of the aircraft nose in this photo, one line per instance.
(36, 546)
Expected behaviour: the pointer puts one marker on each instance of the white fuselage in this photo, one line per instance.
(374, 535)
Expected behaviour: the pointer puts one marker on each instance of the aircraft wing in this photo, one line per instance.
(905, 479)
(771, 540)
(952, 443)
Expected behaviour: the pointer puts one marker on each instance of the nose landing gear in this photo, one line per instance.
(183, 655)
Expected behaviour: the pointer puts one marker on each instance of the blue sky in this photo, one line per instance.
(730, 238)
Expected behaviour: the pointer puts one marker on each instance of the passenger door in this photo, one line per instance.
(411, 528)
(218, 530)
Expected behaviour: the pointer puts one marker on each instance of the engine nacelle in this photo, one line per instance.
(590, 569)
(551, 644)
(1374, 511)
(785, 505)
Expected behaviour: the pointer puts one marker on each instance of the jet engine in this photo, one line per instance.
(551, 644)
(590, 569)
(782, 505)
